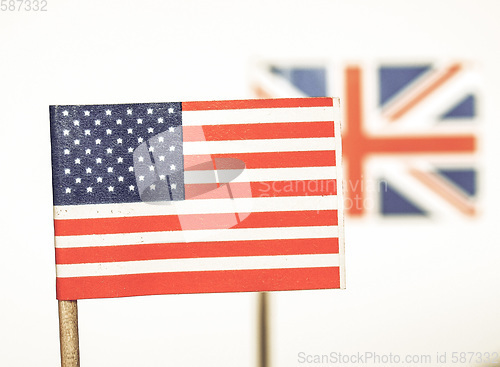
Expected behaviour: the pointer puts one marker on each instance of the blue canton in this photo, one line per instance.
(117, 153)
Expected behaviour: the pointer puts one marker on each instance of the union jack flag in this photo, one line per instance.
(409, 131)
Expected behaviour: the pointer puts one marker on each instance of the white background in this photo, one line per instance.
(413, 287)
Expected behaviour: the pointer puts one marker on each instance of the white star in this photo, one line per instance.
(151, 149)
(173, 186)
(110, 169)
(120, 160)
(89, 189)
(77, 161)
(111, 188)
(65, 113)
(77, 142)
(162, 177)
(172, 148)
(88, 170)
(99, 179)
(67, 171)
(97, 122)
(108, 112)
(129, 111)
(131, 169)
(141, 158)
(98, 141)
(108, 131)
(78, 180)
(130, 150)
(120, 179)
(172, 167)
(119, 141)
(131, 188)
(151, 168)
(160, 139)
(162, 158)
(152, 187)
(87, 113)
(139, 121)
(150, 129)
(87, 132)
(171, 129)
(141, 178)
(68, 190)
(129, 131)
(65, 132)
(140, 140)
(109, 150)
(98, 160)
(76, 122)
(88, 151)
(150, 111)
(119, 122)
(66, 151)
(160, 120)
(170, 110)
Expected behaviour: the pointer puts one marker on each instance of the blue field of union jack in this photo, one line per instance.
(410, 134)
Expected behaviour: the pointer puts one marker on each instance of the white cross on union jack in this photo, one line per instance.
(417, 133)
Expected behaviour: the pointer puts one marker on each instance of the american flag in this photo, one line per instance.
(410, 131)
(195, 197)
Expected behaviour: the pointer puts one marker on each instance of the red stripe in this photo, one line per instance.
(430, 144)
(263, 189)
(257, 103)
(293, 188)
(217, 191)
(354, 139)
(450, 72)
(184, 250)
(320, 129)
(198, 282)
(159, 223)
(321, 158)
(445, 190)
(290, 219)
(260, 92)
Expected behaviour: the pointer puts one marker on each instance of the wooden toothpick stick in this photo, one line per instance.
(68, 334)
(263, 330)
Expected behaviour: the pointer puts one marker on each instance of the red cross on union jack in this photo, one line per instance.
(408, 126)
(358, 145)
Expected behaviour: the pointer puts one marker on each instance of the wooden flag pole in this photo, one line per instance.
(263, 333)
(68, 334)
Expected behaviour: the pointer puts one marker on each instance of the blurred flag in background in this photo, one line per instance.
(409, 130)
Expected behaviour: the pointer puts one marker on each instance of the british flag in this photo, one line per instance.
(409, 130)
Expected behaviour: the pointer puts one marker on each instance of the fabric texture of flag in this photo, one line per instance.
(197, 197)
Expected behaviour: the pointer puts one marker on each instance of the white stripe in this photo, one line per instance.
(205, 235)
(197, 264)
(258, 146)
(257, 115)
(243, 205)
(264, 174)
